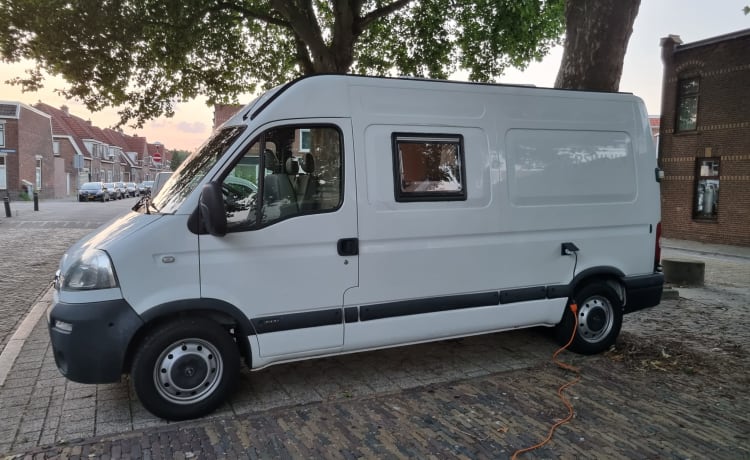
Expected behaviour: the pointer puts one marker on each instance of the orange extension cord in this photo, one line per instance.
(574, 309)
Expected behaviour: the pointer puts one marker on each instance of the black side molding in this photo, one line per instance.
(351, 314)
(429, 305)
(523, 294)
(292, 321)
(558, 291)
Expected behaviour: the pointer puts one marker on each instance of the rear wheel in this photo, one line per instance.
(599, 320)
(185, 369)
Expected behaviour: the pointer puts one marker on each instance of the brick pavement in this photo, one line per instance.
(619, 414)
(38, 406)
(305, 409)
(29, 256)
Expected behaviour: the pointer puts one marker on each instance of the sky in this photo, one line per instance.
(692, 20)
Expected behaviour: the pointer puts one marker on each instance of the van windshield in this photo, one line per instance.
(187, 177)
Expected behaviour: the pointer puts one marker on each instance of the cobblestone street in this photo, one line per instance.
(27, 275)
(32, 243)
(675, 386)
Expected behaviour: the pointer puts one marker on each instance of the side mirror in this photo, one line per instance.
(211, 210)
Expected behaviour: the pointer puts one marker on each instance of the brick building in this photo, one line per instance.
(223, 112)
(704, 143)
(105, 155)
(26, 159)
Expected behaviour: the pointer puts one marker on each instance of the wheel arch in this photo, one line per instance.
(611, 276)
(219, 311)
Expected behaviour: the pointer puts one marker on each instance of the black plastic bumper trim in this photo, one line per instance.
(94, 350)
(643, 291)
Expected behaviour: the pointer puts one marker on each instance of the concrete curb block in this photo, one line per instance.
(16, 342)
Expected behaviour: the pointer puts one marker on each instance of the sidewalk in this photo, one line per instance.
(706, 248)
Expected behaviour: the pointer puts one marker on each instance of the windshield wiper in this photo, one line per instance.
(144, 201)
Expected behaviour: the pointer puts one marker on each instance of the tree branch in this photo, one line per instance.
(304, 24)
(374, 15)
(303, 56)
(249, 13)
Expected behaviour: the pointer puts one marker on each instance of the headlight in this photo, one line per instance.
(92, 271)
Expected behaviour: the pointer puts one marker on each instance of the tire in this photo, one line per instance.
(185, 369)
(600, 313)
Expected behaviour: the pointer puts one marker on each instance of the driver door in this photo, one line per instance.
(289, 201)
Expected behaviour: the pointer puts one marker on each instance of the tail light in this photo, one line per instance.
(657, 248)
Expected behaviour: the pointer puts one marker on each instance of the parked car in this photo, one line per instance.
(159, 181)
(114, 194)
(93, 191)
(145, 187)
(131, 188)
(120, 187)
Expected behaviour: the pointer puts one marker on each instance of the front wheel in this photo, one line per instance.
(185, 369)
(599, 320)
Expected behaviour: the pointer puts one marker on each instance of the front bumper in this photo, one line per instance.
(90, 340)
(643, 291)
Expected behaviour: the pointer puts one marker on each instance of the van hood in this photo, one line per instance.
(109, 234)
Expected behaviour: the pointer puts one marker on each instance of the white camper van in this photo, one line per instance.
(338, 214)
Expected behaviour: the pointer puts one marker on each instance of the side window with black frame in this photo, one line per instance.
(428, 167)
(286, 172)
(706, 204)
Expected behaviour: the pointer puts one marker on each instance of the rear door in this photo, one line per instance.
(290, 202)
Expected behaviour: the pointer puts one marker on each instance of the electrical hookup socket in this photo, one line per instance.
(568, 249)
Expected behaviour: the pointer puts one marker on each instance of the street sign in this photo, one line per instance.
(157, 157)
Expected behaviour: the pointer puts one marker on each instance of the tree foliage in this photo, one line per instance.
(145, 55)
(178, 156)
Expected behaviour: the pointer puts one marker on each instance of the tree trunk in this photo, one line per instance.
(596, 38)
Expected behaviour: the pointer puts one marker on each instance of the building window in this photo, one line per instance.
(706, 189)
(428, 167)
(56, 148)
(2, 134)
(38, 173)
(304, 140)
(687, 104)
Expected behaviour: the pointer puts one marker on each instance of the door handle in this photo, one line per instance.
(348, 246)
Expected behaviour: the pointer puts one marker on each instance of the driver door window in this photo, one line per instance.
(277, 179)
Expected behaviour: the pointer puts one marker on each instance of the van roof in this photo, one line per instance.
(253, 109)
